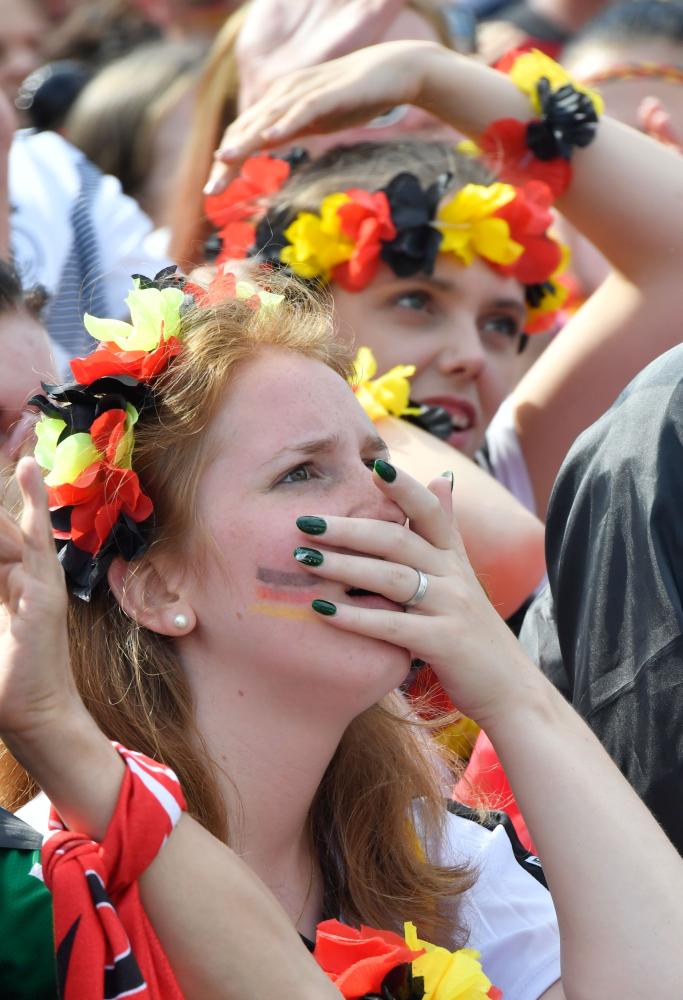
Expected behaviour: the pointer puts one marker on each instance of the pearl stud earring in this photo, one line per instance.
(180, 621)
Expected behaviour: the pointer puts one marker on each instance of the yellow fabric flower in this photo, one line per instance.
(155, 317)
(317, 243)
(552, 299)
(47, 432)
(531, 66)
(72, 456)
(386, 396)
(123, 459)
(245, 290)
(468, 226)
(447, 975)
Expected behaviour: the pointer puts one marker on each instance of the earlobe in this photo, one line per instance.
(145, 596)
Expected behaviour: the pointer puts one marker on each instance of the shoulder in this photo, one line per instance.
(509, 911)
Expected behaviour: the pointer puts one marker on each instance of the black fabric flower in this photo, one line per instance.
(413, 209)
(270, 237)
(84, 571)
(568, 119)
(399, 984)
(534, 294)
(433, 419)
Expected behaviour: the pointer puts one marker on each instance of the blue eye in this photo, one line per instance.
(301, 474)
(506, 326)
(416, 300)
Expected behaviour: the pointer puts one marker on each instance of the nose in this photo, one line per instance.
(463, 355)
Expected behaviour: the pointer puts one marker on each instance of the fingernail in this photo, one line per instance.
(216, 181)
(311, 525)
(309, 557)
(324, 608)
(448, 474)
(385, 471)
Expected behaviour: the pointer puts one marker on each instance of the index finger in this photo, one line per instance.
(39, 554)
(429, 511)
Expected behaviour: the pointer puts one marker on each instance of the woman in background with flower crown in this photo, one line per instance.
(255, 645)
(621, 196)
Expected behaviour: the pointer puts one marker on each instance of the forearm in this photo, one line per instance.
(504, 541)
(594, 836)
(215, 940)
(621, 181)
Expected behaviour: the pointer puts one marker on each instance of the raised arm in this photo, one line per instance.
(620, 919)
(215, 940)
(626, 190)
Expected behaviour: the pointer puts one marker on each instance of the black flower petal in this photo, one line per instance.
(568, 119)
(433, 419)
(413, 208)
(270, 237)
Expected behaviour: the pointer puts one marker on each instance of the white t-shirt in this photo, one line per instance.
(510, 915)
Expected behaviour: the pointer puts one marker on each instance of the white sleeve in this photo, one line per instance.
(44, 184)
(510, 915)
(505, 457)
(123, 230)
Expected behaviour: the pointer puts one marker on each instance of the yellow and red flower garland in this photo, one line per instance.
(366, 962)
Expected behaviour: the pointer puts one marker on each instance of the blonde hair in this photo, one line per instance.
(215, 109)
(132, 682)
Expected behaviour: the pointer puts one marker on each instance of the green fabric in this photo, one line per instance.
(27, 968)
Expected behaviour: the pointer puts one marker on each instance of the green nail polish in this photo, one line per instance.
(324, 608)
(448, 474)
(385, 471)
(309, 557)
(311, 525)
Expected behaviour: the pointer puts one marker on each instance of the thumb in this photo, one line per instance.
(442, 488)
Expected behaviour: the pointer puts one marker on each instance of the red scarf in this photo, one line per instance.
(105, 945)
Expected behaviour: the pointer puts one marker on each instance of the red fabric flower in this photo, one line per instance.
(103, 491)
(504, 150)
(358, 960)
(260, 175)
(109, 359)
(99, 497)
(528, 216)
(365, 219)
(236, 238)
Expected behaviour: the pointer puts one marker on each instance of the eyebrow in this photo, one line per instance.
(318, 446)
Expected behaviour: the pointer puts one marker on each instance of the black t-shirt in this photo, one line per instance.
(608, 631)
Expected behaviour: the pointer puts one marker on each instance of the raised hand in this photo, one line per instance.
(325, 98)
(36, 684)
(453, 627)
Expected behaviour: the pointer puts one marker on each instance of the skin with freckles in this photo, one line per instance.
(460, 327)
(248, 502)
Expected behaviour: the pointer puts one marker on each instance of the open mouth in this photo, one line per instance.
(463, 415)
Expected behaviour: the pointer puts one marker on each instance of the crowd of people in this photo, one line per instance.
(341, 615)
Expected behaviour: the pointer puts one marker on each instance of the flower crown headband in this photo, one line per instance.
(505, 223)
(404, 225)
(85, 435)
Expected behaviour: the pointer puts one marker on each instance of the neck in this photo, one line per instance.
(272, 755)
